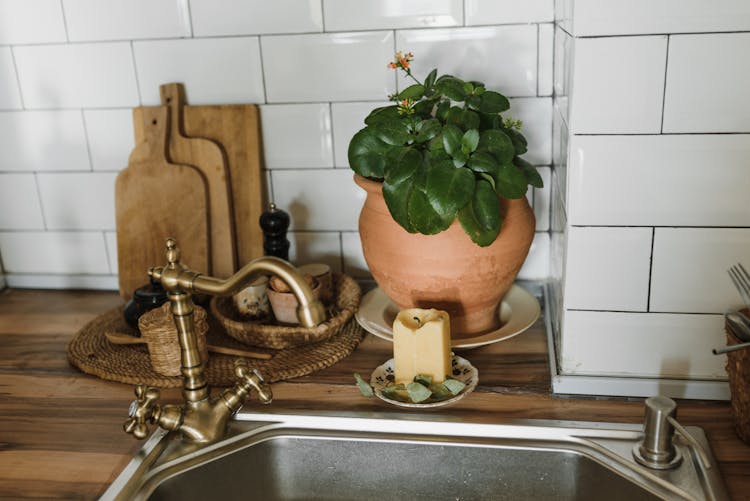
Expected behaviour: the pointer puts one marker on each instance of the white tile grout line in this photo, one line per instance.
(323, 16)
(65, 21)
(664, 92)
(650, 270)
(41, 203)
(18, 78)
(135, 73)
(262, 71)
(538, 62)
(338, 32)
(88, 145)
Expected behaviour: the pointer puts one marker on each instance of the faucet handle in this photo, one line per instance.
(252, 378)
(143, 410)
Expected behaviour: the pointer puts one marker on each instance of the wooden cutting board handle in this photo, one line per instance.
(209, 158)
(154, 200)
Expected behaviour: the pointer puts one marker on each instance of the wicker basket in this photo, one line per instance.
(280, 337)
(738, 368)
(158, 330)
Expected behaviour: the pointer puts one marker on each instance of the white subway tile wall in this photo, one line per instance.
(94, 195)
(608, 268)
(214, 70)
(110, 138)
(707, 253)
(20, 208)
(343, 15)
(43, 141)
(297, 135)
(255, 17)
(483, 12)
(643, 344)
(661, 180)
(91, 75)
(651, 205)
(72, 70)
(700, 66)
(93, 20)
(618, 85)
(644, 17)
(466, 52)
(24, 22)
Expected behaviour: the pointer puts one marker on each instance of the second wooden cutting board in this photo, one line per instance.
(208, 157)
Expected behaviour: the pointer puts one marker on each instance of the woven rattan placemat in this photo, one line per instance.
(92, 353)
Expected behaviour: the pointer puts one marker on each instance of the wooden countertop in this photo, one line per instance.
(61, 431)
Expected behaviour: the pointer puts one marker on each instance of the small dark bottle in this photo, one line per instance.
(144, 299)
(275, 223)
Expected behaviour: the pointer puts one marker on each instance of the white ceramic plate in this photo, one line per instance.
(518, 311)
(462, 371)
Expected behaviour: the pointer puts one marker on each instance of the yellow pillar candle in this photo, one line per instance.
(421, 345)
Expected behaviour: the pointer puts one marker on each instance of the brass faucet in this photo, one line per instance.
(202, 419)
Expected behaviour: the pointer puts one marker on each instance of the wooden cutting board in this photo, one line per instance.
(154, 200)
(208, 157)
(237, 128)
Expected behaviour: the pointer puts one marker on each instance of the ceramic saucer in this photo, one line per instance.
(462, 371)
(518, 311)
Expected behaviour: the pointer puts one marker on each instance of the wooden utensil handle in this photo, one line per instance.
(121, 338)
(239, 353)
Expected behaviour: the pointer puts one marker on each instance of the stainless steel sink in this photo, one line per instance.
(375, 457)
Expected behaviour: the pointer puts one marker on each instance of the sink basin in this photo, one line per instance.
(372, 457)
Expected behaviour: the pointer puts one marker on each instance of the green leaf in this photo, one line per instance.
(382, 113)
(481, 218)
(398, 187)
(460, 157)
(367, 154)
(415, 92)
(482, 161)
(430, 80)
(498, 143)
(489, 121)
(448, 190)
(470, 139)
(393, 132)
(422, 215)
(439, 392)
(529, 171)
(519, 142)
(396, 392)
(454, 386)
(424, 108)
(364, 386)
(473, 102)
(493, 102)
(423, 380)
(452, 138)
(510, 182)
(466, 119)
(441, 113)
(427, 130)
(451, 87)
(417, 392)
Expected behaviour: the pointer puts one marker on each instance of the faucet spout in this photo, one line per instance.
(201, 418)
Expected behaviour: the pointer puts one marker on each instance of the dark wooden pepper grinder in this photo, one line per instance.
(275, 222)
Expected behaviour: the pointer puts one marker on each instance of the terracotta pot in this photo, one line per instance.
(446, 271)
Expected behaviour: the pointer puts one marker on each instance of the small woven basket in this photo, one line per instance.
(738, 368)
(279, 337)
(158, 330)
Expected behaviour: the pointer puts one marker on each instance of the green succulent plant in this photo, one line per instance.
(444, 151)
